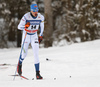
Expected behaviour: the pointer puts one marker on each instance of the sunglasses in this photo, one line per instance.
(35, 10)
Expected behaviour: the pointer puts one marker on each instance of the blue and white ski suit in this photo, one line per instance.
(31, 38)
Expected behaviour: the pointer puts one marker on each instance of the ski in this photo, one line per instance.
(24, 77)
(4, 64)
(21, 76)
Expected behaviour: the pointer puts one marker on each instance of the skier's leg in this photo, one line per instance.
(25, 48)
(23, 54)
(35, 47)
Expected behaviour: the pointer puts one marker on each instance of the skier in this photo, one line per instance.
(30, 23)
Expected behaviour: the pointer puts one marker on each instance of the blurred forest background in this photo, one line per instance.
(66, 21)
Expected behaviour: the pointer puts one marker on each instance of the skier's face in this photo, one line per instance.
(34, 13)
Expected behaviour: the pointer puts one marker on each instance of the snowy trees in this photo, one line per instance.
(11, 12)
(76, 19)
(72, 20)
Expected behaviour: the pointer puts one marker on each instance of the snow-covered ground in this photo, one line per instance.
(76, 65)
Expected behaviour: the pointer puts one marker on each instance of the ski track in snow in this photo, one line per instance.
(76, 65)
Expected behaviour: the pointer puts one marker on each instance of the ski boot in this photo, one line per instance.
(19, 69)
(38, 76)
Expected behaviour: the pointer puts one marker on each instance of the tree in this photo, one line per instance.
(49, 23)
(12, 11)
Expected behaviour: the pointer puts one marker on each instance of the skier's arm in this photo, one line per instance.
(41, 26)
(41, 29)
(22, 23)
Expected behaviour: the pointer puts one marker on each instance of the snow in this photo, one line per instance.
(77, 7)
(6, 11)
(84, 6)
(96, 23)
(76, 65)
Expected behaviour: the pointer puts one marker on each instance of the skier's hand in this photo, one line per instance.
(40, 39)
(27, 25)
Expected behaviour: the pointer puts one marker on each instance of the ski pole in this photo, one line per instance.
(20, 54)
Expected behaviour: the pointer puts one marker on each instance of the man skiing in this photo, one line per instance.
(30, 23)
